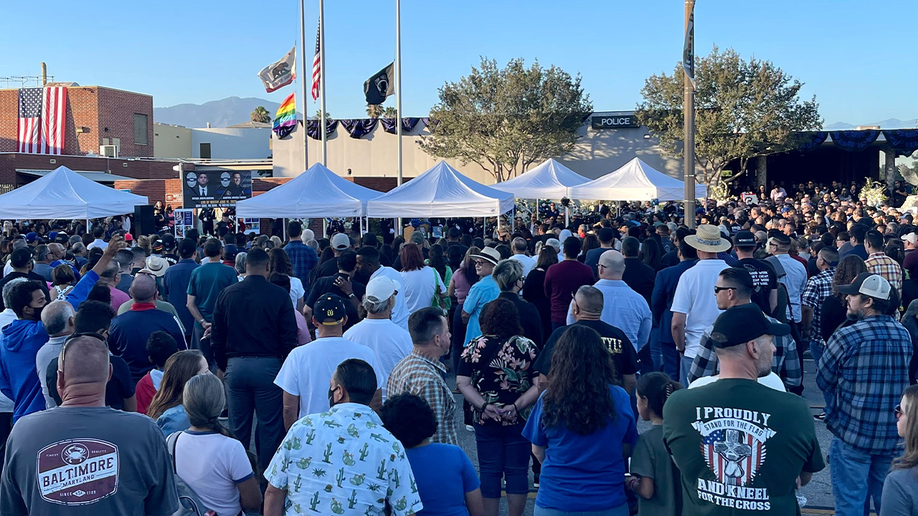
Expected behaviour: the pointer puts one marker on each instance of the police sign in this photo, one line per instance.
(614, 122)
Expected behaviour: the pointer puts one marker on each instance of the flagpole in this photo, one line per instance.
(398, 93)
(689, 119)
(322, 78)
(304, 82)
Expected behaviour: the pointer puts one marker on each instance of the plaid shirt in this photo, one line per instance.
(879, 263)
(862, 373)
(786, 362)
(422, 376)
(304, 259)
(818, 288)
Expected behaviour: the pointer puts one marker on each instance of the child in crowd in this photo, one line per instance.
(160, 346)
(654, 476)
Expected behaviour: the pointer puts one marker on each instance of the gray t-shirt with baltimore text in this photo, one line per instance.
(92, 460)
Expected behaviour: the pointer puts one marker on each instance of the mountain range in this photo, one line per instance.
(235, 110)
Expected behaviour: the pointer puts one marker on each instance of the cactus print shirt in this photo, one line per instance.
(343, 462)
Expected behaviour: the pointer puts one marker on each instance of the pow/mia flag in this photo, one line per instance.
(380, 85)
(279, 73)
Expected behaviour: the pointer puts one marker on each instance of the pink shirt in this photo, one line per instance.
(461, 285)
(302, 330)
(118, 298)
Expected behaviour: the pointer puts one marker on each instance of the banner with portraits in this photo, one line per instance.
(215, 189)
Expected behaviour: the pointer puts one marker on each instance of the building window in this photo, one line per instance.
(141, 137)
(205, 151)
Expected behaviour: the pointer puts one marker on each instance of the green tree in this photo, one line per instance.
(319, 115)
(506, 119)
(260, 114)
(388, 112)
(743, 109)
(374, 110)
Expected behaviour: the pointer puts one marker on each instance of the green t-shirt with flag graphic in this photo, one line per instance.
(740, 447)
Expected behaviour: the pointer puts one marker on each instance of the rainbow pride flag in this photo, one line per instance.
(285, 120)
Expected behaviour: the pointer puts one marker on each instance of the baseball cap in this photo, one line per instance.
(911, 238)
(872, 285)
(31, 236)
(740, 324)
(168, 241)
(489, 254)
(744, 238)
(52, 235)
(128, 237)
(340, 242)
(381, 288)
(157, 246)
(555, 243)
(330, 310)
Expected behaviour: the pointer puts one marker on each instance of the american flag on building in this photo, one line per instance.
(42, 120)
(316, 66)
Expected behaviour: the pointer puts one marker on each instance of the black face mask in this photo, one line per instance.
(331, 397)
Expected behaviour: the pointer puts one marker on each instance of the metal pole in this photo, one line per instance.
(689, 123)
(305, 84)
(322, 77)
(398, 93)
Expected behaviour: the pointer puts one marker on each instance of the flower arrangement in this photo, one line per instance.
(874, 192)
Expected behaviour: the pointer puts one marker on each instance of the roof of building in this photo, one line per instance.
(250, 125)
(99, 177)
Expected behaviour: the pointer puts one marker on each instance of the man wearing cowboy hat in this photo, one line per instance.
(484, 291)
(694, 305)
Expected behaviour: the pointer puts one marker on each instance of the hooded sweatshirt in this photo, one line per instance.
(19, 345)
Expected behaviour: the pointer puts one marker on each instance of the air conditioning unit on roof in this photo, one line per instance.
(109, 151)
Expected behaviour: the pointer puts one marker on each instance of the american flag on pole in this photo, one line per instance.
(316, 66)
(42, 120)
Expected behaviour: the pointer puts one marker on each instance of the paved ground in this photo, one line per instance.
(818, 492)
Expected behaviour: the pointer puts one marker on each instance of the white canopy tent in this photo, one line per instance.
(318, 192)
(64, 194)
(441, 192)
(635, 181)
(549, 180)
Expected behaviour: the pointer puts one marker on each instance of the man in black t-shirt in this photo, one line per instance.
(586, 309)
(763, 274)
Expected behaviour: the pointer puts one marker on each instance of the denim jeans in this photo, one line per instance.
(502, 452)
(671, 358)
(655, 350)
(251, 390)
(856, 478)
(685, 365)
(621, 510)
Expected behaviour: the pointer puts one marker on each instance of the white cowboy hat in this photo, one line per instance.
(707, 238)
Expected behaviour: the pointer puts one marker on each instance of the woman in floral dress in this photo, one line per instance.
(495, 376)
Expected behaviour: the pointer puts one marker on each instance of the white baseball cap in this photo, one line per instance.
(340, 242)
(381, 288)
(911, 238)
(868, 284)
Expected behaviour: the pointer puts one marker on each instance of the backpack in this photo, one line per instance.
(189, 502)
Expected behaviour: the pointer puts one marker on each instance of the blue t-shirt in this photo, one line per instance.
(583, 472)
(206, 283)
(485, 291)
(444, 474)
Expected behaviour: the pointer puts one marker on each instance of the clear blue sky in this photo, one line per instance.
(858, 57)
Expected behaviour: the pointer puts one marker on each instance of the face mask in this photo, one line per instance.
(331, 398)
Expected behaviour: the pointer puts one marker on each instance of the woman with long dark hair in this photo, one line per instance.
(834, 309)
(534, 286)
(279, 262)
(901, 485)
(421, 284)
(166, 406)
(207, 457)
(437, 260)
(582, 428)
(651, 253)
(497, 379)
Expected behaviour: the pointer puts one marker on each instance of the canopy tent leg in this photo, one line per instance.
(567, 217)
(324, 227)
(284, 229)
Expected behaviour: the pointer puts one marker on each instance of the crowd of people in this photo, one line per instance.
(240, 373)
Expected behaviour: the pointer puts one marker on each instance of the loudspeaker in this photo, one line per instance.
(143, 220)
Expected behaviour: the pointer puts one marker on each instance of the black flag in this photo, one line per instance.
(380, 85)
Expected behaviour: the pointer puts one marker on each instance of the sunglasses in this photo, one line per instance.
(898, 411)
(717, 290)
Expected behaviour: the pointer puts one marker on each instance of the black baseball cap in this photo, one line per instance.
(329, 310)
(744, 238)
(740, 324)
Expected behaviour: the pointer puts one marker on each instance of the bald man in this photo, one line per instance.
(622, 307)
(130, 330)
(58, 320)
(50, 452)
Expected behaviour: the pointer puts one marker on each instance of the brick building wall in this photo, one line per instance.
(10, 162)
(97, 112)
